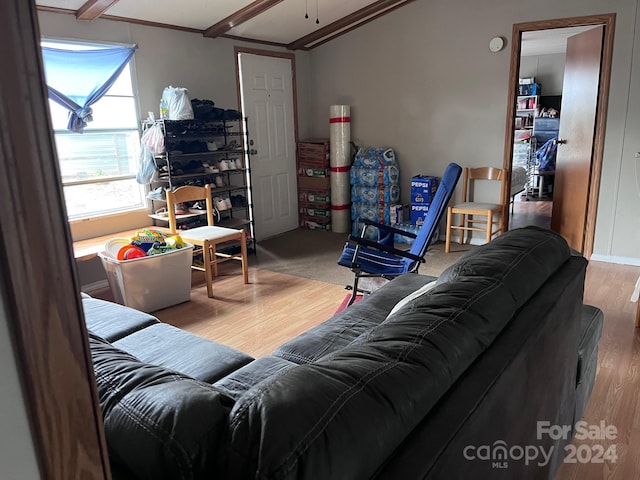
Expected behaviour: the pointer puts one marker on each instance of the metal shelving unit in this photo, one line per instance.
(198, 152)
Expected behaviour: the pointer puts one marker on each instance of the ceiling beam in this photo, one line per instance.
(92, 9)
(244, 14)
(363, 15)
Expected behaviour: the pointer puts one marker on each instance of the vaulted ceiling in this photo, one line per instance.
(294, 24)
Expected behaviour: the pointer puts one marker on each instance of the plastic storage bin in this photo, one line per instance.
(151, 283)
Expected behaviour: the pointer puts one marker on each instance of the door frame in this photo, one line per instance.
(608, 22)
(294, 93)
(39, 283)
(269, 53)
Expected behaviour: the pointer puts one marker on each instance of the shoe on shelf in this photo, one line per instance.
(156, 194)
(220, 204)
(227, 202)
(219, 181)
(239, 164)
(223, 165)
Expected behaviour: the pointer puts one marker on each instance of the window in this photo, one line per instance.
(98, 167)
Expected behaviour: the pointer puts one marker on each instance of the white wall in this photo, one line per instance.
(17, 454)
(168, 57)
(165, 57)
(548, 71)
(422, 80)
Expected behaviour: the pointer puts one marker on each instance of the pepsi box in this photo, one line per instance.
(423, 189)
(418, 214)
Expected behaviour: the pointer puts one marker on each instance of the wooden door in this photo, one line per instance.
(577, 127)
(268, 102)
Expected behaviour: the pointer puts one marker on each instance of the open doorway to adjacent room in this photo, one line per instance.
(547, 77)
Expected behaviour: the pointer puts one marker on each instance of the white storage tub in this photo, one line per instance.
(151, 283)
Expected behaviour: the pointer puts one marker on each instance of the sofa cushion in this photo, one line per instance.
(591, 331)
(184, 352)
(238, 382)
(112, 321)
(368, 396)
(424, 290)
(158, 423)
(364, 399)
(339, 331)
(522, 259)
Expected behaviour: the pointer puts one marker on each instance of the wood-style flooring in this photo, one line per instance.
(276, 307)
(535, 211)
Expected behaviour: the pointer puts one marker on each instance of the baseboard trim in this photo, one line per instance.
(614, 259)
(95, 286)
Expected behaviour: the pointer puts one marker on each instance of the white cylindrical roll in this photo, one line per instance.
(340, 162)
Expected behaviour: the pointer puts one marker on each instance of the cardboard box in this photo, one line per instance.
(396, 214)
(423, 189)
(418, 214)
(529, 89)
(314, 149)
(315, 211)
(315, 223)
(314, 196)
(307, 171)
(314, 183)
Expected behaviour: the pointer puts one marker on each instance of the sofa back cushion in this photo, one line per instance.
(158, 424)
(523, 259)
(363, 400)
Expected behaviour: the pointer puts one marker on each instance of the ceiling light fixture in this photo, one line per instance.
(306, 11)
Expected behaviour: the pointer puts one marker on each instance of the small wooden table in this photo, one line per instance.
(84, 250)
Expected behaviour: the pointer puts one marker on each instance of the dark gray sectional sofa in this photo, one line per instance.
(500, 342)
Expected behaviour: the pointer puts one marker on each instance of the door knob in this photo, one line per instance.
(253, 151)
(561, 141)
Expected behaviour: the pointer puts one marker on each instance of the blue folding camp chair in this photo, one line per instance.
(368, 258)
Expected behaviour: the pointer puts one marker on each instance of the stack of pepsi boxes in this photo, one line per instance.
(375, 189)
(314, 184)
(423, 189)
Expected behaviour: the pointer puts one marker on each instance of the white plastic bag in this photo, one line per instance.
(147, 169)
(151, 143)
(178, 103)
(153, 139)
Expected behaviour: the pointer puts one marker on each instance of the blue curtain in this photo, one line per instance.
(76, 79)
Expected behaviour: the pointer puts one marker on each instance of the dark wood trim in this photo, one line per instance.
(244, 14)
(135, 21)
(317, 38)
(599, 137)
(350, 22)
(151, 24)
(39, 285)
(253, 40)
(61, 11)
(269, 53)
(608, 21)
(92, 9)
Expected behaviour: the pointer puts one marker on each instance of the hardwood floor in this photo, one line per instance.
(276, 307)
(259, 316)
(535, 211)
(616, 394)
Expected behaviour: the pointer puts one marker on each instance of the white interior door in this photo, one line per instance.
(267, 101)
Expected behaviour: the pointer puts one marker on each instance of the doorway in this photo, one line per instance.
(267, 95)
(593, 163)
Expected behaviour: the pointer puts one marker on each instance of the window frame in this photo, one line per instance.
(100, 215)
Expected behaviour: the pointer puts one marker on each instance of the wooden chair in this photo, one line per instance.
(469, 210)
(207, 238)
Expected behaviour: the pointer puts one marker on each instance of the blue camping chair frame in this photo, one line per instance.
(369, 258)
